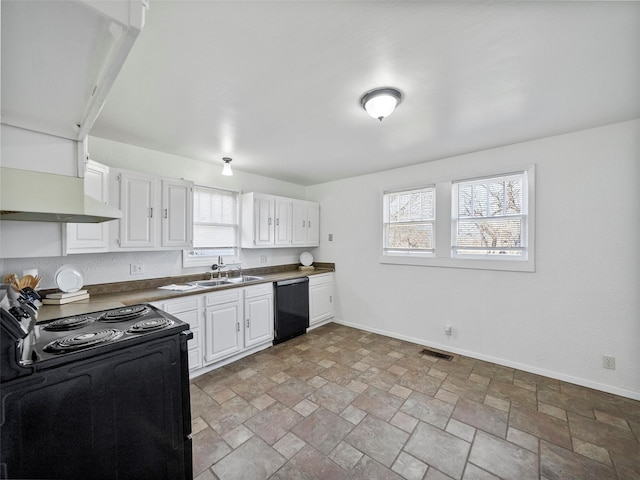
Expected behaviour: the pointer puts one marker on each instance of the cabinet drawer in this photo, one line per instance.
(322, 278)
(181, 305)
(225, 296)
(258, 290)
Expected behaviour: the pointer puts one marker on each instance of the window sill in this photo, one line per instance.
(499, 265)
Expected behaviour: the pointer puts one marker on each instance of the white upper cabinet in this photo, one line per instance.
(177, 213)
(157, 212)
(137, 202)
(91, 237)
(257, 220)
(306, 219)
(60, 59)
(271, 221)
(282, 228)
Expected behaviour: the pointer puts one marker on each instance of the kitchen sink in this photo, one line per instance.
(210, 283)
(243, 279)
(225, 281)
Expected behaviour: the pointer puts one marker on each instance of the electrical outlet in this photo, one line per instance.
(263, 259)
(447, 329)
(331, 237)
(609, 362)
(135, 269)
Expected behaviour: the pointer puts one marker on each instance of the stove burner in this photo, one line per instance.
(83, 340)
(69, 323)
(125, 313)
(150, 325)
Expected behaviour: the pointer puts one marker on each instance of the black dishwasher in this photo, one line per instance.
(292, 308)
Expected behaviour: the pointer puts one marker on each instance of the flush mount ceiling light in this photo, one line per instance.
(226, 170)
(381, 102)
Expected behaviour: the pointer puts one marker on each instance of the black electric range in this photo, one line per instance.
(70, 338)
(103, 395)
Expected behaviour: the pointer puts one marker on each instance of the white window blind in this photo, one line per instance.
(490, 217)
(409, 222)
(215, 218)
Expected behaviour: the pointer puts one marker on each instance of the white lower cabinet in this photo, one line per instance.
(258, 314)
(226, 325)
(223, 319)
(320, 299)
(188, 309)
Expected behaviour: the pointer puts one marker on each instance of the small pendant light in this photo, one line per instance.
(226, 170)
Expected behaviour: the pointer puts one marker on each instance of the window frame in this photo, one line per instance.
(456, 219)
(386, 223)
(445, 223)
(206, 256)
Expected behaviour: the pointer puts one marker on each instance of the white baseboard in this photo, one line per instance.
(501, 361)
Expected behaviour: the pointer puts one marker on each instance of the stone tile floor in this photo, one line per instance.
(341, 403)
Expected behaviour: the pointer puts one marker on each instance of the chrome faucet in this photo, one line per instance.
(214, 268)
(239, 268)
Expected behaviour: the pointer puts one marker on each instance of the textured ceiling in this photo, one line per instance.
(276, 84)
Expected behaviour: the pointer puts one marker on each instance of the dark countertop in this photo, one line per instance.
(108, 296)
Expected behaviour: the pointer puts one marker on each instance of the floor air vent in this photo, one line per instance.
(433, 353)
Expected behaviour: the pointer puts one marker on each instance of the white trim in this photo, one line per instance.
(500, 361)
(444, 224)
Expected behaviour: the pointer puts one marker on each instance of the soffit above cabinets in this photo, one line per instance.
(60, 59)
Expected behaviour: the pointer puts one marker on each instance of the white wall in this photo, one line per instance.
(130, 157)
(42, 242)
(582, 302)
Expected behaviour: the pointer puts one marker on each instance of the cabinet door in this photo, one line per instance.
(320, 299)
(223, 335)
(263, 208)
(177, 216)
(194, 345)
(299, 224)
(313, 224)
(306, 224)
(188, 309)
(258, 314)
(282, 233)
(91, 237)
(137, 202)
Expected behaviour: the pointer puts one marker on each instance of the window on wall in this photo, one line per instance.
(484, 222)
(215, 226)
(490, 217)
(409, 222)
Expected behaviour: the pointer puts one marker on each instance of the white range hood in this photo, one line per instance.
(45, 197)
